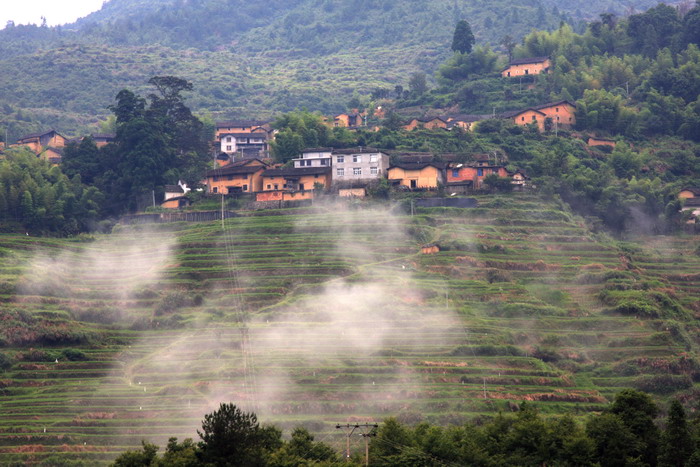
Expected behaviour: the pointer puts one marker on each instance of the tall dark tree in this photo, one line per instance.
(676, 444)
(637, 411)
(463, 38)
(82, 159)
(231, 437)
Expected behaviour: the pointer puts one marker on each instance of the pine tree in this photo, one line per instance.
(676, 445)
(463, 38)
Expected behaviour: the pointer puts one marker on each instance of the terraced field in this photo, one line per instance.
(333, 314)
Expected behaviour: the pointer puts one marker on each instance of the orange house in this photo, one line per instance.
(417, 175)
(474, 173)
(296, 179)
(38, 142)
(427, 123)
(238, 177)
(102, 140)
(527, 66)
(689, 193)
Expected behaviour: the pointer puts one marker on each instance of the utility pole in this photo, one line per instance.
(349, 430)
(367, 436)
(223, 227)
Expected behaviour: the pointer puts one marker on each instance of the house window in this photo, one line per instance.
(374, 170)
(357, 171)
(228, 148)
(324, 161)
(216, 190)
(455, 173)
(523, 119)
(269, 186)
(356, 158)
(509, 74)
(228, 139)
(557, 109)
(527, 71)
(373, 157)
(245, 187)
(480, 172)
(340, 172)
(276, 186)
(534, 118)
(341, 159)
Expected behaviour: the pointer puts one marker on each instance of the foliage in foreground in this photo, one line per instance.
(625, 434)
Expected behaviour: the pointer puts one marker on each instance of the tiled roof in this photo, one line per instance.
(525, 61)
(240, 123)
(296, 172)
(232, 169)
(418, 165)
(359, 150)
(37, 135)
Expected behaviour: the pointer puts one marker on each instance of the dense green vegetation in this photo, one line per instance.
(36, 197)
(624, 434)
(637, 76)
(262, 59)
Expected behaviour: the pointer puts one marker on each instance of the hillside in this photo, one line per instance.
(260, 60)
(332, 314)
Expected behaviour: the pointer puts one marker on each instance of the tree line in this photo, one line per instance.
(158, 141)
(626, 433)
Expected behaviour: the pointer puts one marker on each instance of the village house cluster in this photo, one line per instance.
(244, 166)
(345, 172)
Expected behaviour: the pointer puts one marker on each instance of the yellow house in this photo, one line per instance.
(241, 126)
(348, 120)
(527, 116)
(527, 66)
(238, 177)
(38, 142)
(296, 179)
(417, 175)
(53, 155)
(427, 123)
(465, 122)
(562, 113)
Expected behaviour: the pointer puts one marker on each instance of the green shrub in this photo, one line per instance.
(663, 384)
(487, 350)
(498, 275)
(74, 355)
(5, 361)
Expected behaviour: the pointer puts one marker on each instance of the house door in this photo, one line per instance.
(414, 183)
(301, 187)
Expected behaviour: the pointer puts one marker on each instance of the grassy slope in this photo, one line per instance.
(451, 344)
